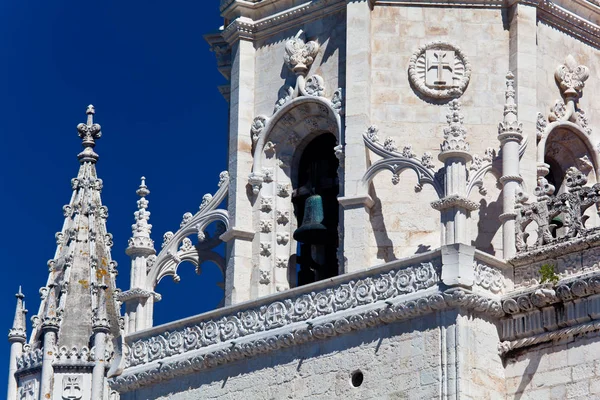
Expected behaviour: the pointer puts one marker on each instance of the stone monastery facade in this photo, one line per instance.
(410, 211)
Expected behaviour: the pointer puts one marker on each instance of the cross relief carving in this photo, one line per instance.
(72, 388)
(440, 68)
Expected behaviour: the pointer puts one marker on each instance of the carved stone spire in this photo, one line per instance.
(18, 332)
(510, 128)
(70, 313)
(140, 242)
(89, 132)
(455, 135)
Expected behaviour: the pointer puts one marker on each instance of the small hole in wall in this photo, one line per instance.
(356, 378)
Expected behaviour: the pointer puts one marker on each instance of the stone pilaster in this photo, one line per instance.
(357, 116)
(523, 64)
(239, 238)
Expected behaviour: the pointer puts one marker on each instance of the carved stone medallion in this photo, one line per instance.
(439, 70)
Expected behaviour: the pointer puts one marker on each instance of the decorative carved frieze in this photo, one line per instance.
(489, 278)
(439, 70)
(368, 303)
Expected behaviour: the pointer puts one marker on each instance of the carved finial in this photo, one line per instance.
(571, 77)
(51, 318)
(299, 55)
(510, 128)
(18, 332)
(455, 134)
(89, 132)
(140, 242)
(143, 190)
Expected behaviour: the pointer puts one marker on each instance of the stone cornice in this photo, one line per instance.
(256, 26)
(174, 363)
(254, 19)
(392, 292)
(550, 312)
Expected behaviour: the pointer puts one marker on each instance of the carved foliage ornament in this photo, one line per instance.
(299, 54)
(439, 70)
(571, 77)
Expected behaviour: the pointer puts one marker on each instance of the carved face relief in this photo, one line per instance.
(72, 388)
(439, 70)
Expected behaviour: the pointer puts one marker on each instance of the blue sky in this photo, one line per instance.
(148, 71)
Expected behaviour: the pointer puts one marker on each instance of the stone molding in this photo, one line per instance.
(259, 24)
(454, 201)
(362, 317)
(269, 316)
(392, 292)
(548, 313)
(137, 293)
(253, 19)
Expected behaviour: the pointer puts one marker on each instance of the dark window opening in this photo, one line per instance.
(316, 195)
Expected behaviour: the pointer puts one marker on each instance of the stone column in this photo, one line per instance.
(510, 136)
(100, 328)
(47, 378)
(454, 207)
(355, 200)
(240, 199)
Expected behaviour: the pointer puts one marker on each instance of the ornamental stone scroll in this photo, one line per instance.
(439, 70)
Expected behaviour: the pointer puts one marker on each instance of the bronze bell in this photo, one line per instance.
(312, 231)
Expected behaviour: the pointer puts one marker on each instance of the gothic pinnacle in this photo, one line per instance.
(18, 331)
(89, 132)
(141, 241)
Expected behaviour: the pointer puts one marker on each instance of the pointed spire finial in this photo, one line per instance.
(89, 132)
(18, 332)
(510, 128)
(140, 242)
(143, 190)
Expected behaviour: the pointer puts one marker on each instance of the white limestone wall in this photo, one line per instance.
(398, 361)
(272, 74)
(402, 220)
(434, 356)
(399, 112)
(564, 370)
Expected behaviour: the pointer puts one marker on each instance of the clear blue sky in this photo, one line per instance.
(148, 71)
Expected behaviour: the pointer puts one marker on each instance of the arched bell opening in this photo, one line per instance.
(565, 150)
(316, 189)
